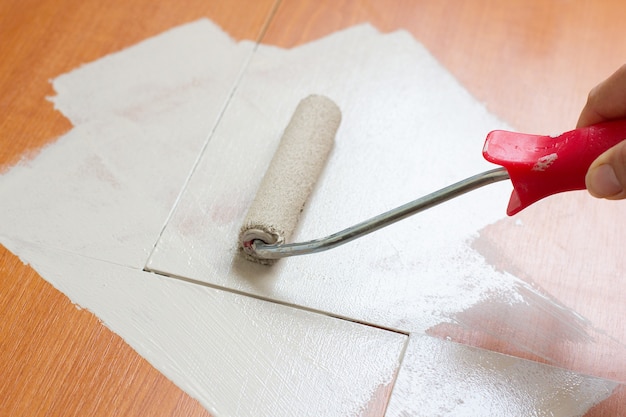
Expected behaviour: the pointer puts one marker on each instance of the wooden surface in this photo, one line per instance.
(58, 360)
(531, 62)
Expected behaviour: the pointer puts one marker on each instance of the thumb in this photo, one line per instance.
(606, 177)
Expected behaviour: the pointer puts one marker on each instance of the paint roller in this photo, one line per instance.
(537, 165)
(291, 176)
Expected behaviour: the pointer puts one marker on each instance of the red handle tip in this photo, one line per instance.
(540, 166)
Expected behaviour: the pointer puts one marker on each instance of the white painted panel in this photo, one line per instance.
(237, 355)
(141, 117)
(408, 128)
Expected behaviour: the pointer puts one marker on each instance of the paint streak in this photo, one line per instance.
(579, 330)
(515, 387)
(544, 162)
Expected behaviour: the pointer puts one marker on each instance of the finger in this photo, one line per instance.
(606, 177)
(606, 101)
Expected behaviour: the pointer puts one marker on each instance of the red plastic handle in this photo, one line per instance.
(540, 166)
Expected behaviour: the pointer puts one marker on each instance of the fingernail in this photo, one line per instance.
(603, 182)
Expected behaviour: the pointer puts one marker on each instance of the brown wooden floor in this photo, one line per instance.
(531, 61)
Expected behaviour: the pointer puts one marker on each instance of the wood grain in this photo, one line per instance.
(59, 360)
(56, 359)
(43, 39)
(531, 62)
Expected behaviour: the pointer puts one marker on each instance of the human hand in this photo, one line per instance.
(606, 177)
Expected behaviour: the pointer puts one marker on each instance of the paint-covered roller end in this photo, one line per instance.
(291, 176)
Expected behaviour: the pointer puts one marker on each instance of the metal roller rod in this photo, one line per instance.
(265, 251)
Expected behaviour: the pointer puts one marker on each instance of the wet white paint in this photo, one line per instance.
(237, 355)
(92, 204)
(545, 162)
(479, 384)
(140, 120)
(87, 210)
(408, 128)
